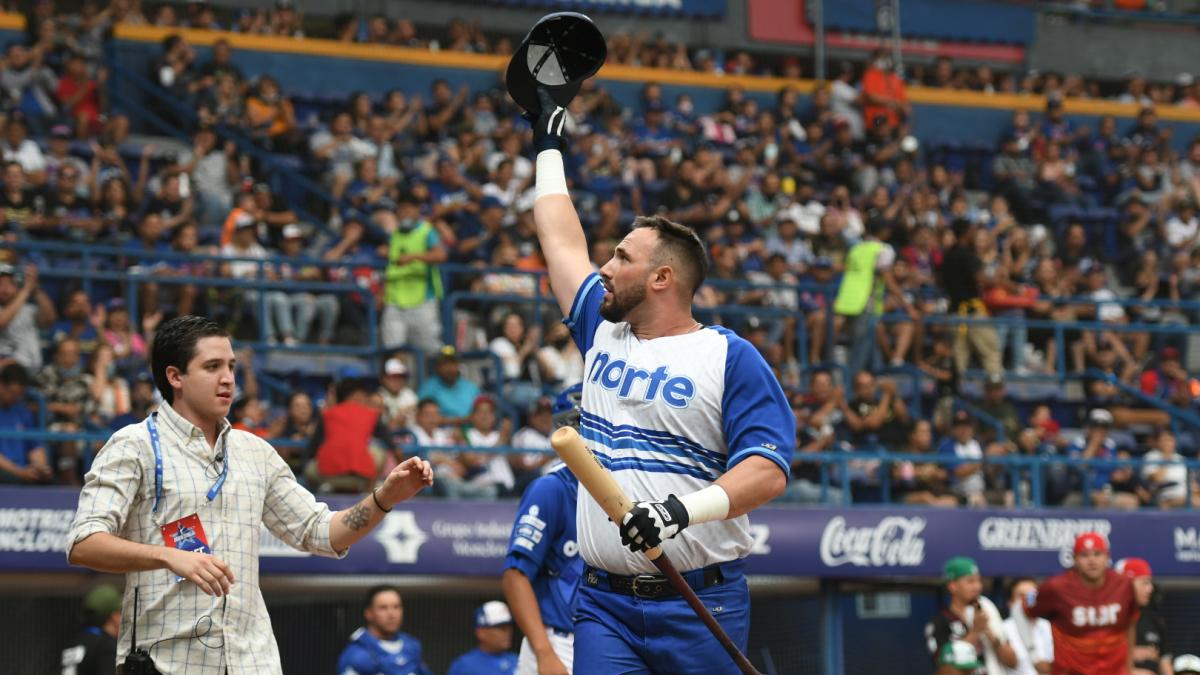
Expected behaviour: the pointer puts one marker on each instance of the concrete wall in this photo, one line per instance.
(1108, 50)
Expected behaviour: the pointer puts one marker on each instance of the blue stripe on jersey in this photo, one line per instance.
(650, 466)
(631, 444)
(764, 452)
(580, 296)
(633, 439)
(653, 435)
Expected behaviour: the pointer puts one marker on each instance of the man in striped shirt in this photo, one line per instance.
(177, 504)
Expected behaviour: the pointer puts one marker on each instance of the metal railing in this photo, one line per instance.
(87, 274)
(1026, 474)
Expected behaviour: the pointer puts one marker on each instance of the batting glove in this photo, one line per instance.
(649, 523)
(549, 129)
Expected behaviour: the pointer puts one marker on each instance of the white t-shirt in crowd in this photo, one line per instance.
(496, 471)
(507, 352)
(1175, 474)
(1042, 649)
(1180, 231)
(566, 369)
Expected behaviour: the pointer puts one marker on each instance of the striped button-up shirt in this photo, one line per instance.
(118, 498)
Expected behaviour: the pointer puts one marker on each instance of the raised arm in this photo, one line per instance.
(558, 229)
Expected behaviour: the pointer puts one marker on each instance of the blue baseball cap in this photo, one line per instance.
(491, 614)
(567, 406)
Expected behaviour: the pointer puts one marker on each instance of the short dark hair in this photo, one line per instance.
(349, 386)
(961, 227)
(426, 402)
(14, 373)
(175, 345)
(1012, 586)
(369, 598)
(679, 242)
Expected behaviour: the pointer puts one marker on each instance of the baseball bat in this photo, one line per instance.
(605, 490)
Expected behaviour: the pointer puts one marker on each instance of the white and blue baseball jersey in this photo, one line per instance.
(543, 546)
(670, 416)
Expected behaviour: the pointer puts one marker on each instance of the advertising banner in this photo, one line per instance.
(469, 539)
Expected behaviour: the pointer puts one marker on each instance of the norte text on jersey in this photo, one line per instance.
(617, 375)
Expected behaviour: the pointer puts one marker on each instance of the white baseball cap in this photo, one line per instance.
(395, 367)
(1187, 663)
(1100, 417)
(493, 613)
(293, 231)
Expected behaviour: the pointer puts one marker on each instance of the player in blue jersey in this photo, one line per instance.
(380, 648)
(543, 567)
(494, 633)
(690, 420)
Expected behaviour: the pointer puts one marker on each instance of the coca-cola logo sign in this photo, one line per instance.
(895, 541)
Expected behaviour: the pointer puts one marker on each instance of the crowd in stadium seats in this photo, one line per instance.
(1060, 222)
(631, 48)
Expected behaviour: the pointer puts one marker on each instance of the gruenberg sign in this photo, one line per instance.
(1038, 534)
(470, 538)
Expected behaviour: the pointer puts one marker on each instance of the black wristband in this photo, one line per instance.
(548, 142)
(377, 504)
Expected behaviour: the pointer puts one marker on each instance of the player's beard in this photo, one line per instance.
(621, 302)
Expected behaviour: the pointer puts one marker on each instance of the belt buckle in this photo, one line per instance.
(652, 583)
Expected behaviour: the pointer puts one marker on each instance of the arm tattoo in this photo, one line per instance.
(357, 516)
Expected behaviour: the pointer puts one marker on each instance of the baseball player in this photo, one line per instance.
(1090, 609)
(543, 567)
(690, 420)
(380, 647)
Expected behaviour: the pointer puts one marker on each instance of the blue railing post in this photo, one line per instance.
(263, 317)
(373, 325)
(885, 467)
(831, 627)
(86, 263)
(132, 296)
(1037, 482)
(830, 333)
(1060, 355)
(844, 468)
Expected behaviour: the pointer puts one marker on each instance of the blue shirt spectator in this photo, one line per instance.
(1095, 444)
(454, 393)
(21, 460)
(966, 470)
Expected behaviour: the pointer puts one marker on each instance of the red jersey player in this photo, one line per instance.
(1091, 609)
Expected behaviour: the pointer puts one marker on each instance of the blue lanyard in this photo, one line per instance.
(158, 466)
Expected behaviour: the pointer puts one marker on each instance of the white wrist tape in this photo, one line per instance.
(550, 178)
(711, 503)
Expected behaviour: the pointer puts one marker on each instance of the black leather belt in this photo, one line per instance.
(652, 586)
